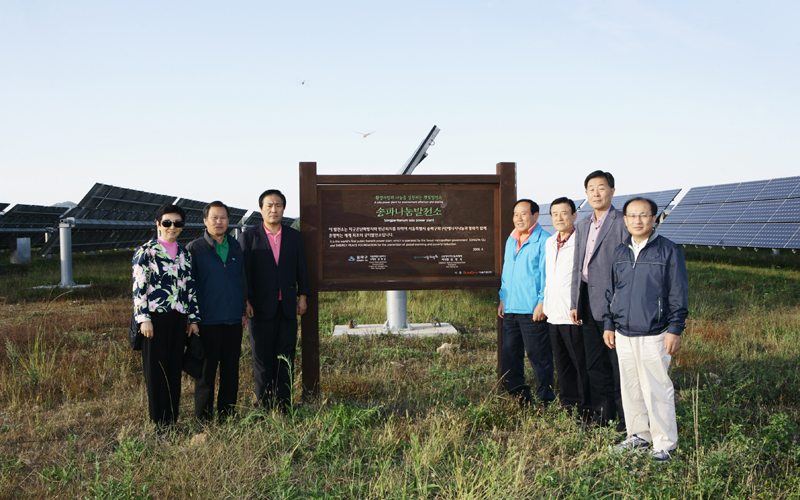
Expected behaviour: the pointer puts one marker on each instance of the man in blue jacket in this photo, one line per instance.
(221, 294)
(647, 308)
(522, 307)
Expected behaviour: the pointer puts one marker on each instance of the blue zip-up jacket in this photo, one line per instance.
(524, 273)
(648, 295)
(221, 286)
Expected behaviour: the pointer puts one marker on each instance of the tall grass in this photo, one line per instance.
(395, 419)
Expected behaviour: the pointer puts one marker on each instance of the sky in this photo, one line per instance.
(222, 100)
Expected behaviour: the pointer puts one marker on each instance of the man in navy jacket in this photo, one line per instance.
(277, 280)
(217, 267)
(647, 306)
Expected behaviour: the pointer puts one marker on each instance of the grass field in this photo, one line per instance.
(395, 419)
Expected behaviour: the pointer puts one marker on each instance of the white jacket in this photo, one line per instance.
(558, 280)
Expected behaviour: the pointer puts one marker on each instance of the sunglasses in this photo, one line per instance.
(169, 223)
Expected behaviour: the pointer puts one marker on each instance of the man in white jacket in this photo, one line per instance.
(565, 336)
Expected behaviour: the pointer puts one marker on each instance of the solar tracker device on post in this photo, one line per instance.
(397, 300)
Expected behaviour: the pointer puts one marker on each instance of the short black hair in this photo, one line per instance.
(563, 199)
(599, 173)
(170, 209)
(653, 206)
(217, 204)
(270, 192)
(533, 204)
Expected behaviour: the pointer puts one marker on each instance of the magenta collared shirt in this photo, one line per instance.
(591, 242)
(275, 244)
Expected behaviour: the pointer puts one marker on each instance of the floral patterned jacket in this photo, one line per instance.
(161, 284)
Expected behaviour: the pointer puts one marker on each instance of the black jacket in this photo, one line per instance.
(648, 295)
(221, 286)
(267, 280)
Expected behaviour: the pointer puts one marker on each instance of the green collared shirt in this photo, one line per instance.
(222, 249)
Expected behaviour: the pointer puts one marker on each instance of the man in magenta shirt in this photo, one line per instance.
(277, 282)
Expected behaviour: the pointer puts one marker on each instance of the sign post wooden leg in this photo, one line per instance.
(508, 196)
(309, 227)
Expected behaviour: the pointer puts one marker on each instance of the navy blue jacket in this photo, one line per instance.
(267, 281)
(648, 295)
(221, 286)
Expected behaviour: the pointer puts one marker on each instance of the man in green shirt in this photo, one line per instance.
(218, 270)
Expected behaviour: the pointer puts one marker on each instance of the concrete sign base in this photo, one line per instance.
(416, 330)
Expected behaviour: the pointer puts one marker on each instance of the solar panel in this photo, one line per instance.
(695, 195)
(747, 191)
(236, 215)
(123, 200)
(779, 188)
(794, 241)
(679, 214)
(685, 233)
(711, 234)
(760, 214)
(740, 235)
(789, 212)
(720, 193)
(667, 230)
(254, 219)
(774, 235)
(28, 221)
(702, 214)
(729, 213)
(761, 211)
(544, 218)
(3, 206)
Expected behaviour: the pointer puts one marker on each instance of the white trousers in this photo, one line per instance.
(648, 397)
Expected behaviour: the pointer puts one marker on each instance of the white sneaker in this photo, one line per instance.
(662, 456)
(632, 443)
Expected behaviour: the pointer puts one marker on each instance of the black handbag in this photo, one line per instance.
(135, 334)
(194, 357)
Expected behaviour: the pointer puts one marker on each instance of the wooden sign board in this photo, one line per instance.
(399, 232)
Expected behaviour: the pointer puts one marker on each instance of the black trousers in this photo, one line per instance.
(602, 366)
(162, 362)
(522, 335)
(223, 347)
(271, 340)
(570, 358)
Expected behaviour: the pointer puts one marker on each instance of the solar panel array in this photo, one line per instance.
(29, 221)
(110, 217)
(544, 215)
(758, 214)
(662, 199)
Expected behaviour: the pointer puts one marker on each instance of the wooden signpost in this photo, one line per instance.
(400, 232)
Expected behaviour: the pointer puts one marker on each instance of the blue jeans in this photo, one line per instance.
(522, 335)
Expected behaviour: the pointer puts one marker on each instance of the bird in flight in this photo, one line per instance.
(368, 133)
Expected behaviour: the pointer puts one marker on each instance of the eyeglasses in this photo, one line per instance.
(169, 223)
(638, 216)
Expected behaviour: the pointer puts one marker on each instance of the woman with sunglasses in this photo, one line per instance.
(163, 300)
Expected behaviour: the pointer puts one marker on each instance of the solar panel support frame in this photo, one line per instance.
(65, 235)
